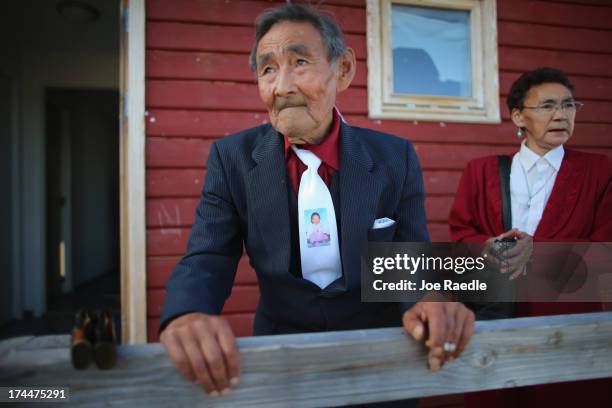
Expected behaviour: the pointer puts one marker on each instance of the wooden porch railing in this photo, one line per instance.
(334, 368)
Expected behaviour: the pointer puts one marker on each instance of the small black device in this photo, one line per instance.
(502, 245)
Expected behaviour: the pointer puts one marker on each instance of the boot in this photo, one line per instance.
(81, 349)
(105, 354)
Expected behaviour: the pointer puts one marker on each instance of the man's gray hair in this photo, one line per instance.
(330, 31)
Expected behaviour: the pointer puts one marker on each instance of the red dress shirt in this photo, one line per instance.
(328, 151)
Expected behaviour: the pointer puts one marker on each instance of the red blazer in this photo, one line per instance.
(579, 208)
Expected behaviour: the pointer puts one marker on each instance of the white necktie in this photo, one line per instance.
(319, 247)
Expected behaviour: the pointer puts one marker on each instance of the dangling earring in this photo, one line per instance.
(519, 133)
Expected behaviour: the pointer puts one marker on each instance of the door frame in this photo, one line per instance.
(28, 226)
(132, 172)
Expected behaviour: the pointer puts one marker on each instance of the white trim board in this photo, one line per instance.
(132, 173)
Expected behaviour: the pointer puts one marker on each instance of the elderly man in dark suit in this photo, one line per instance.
(264, 185)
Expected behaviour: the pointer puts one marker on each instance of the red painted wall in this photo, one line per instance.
(199, 88)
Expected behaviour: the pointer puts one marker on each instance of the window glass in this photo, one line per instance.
(431, 51)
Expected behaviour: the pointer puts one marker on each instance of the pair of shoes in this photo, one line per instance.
(93, 339)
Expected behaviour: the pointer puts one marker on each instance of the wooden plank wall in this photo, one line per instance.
(199, 88)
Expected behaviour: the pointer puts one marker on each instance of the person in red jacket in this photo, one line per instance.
(557, 194)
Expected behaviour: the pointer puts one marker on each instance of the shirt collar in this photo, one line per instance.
(327, 150)
(529, 158)
(555, 157)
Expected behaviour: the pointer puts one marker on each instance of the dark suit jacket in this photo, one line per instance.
(245, 202)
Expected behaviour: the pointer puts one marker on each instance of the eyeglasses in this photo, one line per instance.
(550, 108)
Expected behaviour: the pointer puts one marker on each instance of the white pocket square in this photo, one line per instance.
(383, 223)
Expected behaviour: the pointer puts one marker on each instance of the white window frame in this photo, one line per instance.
(482, 107)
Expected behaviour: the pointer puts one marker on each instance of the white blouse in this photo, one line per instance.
(532, 178)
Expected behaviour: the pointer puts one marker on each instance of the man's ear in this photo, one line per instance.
(517, 118)
(347, 65)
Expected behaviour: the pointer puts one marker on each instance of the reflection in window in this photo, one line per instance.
(431, 51)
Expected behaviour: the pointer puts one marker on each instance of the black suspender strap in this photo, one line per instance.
(504, 184)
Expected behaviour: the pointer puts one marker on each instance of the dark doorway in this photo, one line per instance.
(82, 170)
(82, 195)
(59, 218)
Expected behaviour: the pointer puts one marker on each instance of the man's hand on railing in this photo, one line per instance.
(446, 328)
(203, 348)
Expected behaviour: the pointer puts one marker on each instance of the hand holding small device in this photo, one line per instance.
(510, 252)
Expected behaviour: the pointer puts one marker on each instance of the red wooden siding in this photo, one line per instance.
(199, 88)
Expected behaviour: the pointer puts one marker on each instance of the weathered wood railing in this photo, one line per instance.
(334, 368)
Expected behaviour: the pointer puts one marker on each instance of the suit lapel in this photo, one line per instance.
(267, 187)
(360, 194)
